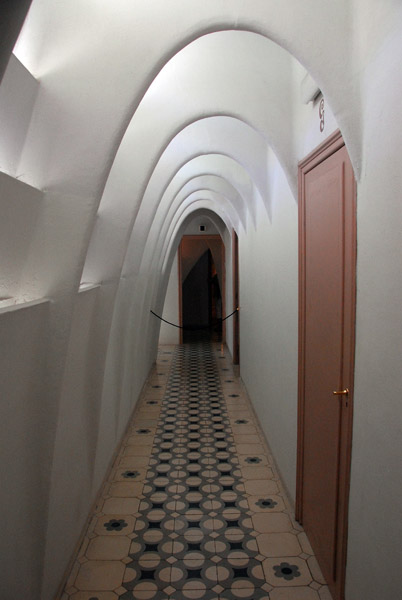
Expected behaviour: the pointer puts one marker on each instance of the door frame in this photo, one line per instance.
(325, 150)
(235, 293)
(223, 291)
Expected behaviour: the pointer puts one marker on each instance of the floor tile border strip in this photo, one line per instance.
(323, 590)
(73, 564)
(283, 491)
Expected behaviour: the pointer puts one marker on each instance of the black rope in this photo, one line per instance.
(194, 328)
(231, 314)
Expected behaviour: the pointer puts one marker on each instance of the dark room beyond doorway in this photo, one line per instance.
(202, 288)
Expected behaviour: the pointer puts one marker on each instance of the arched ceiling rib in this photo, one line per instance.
(123, 55)
(219, 184)
(236, 139)
(148, 242)
(230, 73)
(154, 218)
(162, 111)
(184, 217)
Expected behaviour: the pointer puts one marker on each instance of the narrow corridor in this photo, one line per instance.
(193, 506)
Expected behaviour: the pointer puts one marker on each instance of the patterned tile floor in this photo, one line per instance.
(193, 507)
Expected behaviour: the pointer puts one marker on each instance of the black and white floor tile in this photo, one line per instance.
(193, 508)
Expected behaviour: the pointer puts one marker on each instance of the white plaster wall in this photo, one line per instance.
(76, 440)
(268, 322)
(92, 78)
(18, 91)
(25, 430)
(20, 206)
(375, 525)
(169, 334)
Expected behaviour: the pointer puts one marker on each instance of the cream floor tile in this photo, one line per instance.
(108, 548)
(260, 486)
(138, 450)
(142, 440)
(100, 575)
(245, 441)
(244, 429)
(130, 462)
(149, 414)
(271, 523)
(257, 472)
(126, 490)
(250, 449)
(125, 506)
(278, 544)
(143, 421)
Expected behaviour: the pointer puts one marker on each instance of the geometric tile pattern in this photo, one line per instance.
(195, 530)
(193, 507)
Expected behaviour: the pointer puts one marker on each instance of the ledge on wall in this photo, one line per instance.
(86, 287)
(9, 304)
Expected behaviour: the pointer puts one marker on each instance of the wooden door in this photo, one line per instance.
(327, 310)
(235, 280)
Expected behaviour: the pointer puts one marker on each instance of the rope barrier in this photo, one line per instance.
(193, 328)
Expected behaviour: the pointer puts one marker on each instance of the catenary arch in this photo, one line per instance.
(219, 184)
(322, 23)
(212, 182)
(226, 135)
(116, 219)
(175, 195)
(143, 281)
(248, 163)
(149, 272)
(251, 81)
(133, 286)
(234, 163)
(141, 278)
(218, 160)
(160, 227)
(157, 288)
(149, 232)
(131, 159)
(151, 287)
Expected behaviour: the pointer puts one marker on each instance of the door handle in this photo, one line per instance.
(344, 392)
